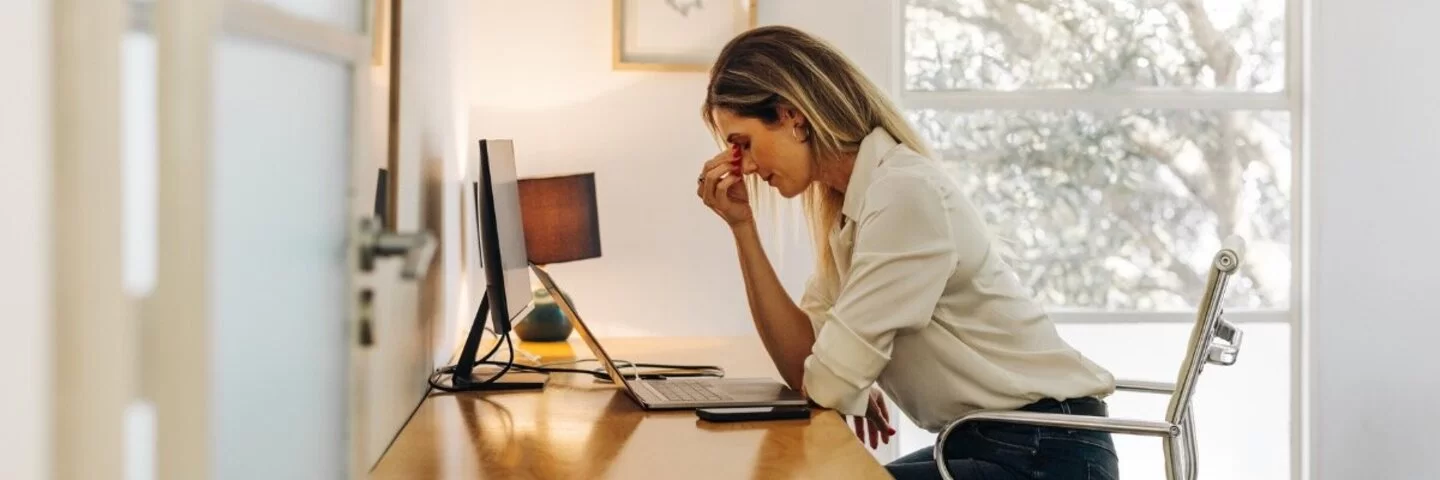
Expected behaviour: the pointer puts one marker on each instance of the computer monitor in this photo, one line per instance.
(501, 233)
(502, 249)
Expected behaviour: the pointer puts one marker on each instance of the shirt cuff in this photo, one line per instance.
(828, 391)
(841, 369)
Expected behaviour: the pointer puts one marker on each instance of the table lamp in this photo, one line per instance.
(562, 224)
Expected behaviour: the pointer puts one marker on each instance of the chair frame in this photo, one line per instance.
(1213, 340)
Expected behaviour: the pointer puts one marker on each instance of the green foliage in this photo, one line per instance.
(1116, 209)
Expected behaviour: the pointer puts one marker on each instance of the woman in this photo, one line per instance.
(909, 291)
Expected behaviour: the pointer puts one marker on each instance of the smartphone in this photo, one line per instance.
(750, 414)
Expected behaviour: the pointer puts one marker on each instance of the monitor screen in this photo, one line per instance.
(502, 234)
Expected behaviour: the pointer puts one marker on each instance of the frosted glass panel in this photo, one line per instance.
(347, 14)
(282, 138)
(1242, 411)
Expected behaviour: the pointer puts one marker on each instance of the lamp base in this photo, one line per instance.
(546, 321)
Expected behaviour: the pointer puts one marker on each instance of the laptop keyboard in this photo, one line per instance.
(681, 391)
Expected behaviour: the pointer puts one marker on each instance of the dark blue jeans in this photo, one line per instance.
(1002, 451)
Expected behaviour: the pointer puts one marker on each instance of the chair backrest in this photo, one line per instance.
(1213, 340)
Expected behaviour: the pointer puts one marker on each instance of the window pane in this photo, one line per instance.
(1125, 210)
(1089, 44)
(1242, 412)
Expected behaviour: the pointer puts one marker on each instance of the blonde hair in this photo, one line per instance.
(766, 68)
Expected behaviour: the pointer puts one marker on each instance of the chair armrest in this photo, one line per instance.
(1082, 422)
(1143, 386)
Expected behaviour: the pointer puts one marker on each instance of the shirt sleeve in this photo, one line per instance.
(819, 297)
(902, 258)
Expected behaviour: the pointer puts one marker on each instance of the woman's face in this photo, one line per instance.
(771, 151)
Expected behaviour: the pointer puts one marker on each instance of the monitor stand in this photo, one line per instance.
(511, 380)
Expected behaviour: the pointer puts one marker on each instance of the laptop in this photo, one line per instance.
(678, 393)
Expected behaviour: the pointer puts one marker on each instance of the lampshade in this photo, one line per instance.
(561, 221)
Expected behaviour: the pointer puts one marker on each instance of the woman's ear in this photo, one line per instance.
(793, 116)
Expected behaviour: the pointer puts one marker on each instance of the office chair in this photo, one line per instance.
(1213, 340)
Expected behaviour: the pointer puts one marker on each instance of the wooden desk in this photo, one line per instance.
(577, 428)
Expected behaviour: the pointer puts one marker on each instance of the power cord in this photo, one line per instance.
(664, 370)
(599, 373)
(505, 367)
(528, 356)
(668, 370)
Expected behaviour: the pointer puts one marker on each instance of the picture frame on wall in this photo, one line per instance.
(676, 35)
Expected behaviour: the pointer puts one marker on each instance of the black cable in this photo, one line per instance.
(473, 386)
(599, 373)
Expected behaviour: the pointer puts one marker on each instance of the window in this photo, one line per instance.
(1113, 144)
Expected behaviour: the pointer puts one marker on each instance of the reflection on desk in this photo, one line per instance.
(579, 428)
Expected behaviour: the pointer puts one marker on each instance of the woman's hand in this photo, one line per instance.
(719, 186)
(876, 421)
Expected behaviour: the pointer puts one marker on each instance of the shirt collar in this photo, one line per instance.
(872, 149)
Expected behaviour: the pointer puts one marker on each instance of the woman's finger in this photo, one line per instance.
(726, 157)
(878, 402)
(885, 430)
(704, 172)
(712, 177)
(712, 163)
(739, 192)
(746, 163)
(722, 189)
(859, 427)
(874, 435)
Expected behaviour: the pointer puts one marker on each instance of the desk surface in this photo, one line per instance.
(578, 428)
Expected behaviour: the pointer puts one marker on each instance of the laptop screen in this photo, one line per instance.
(584, 331)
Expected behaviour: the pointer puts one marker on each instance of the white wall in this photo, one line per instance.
(24, 246)
(415, 323)
(432, 158)
(1375, 133)
(541, 75)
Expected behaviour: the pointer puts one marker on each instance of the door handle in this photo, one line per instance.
(417, 248)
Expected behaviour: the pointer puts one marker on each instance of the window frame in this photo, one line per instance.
(1291, 99)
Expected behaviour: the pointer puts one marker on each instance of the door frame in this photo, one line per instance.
(95, 320)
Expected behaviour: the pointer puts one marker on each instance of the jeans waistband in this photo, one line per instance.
(1090, 406)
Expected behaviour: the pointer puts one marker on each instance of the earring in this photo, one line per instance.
(795, 132)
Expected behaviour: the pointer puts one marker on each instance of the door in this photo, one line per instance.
(283, 157)
(265, 171)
